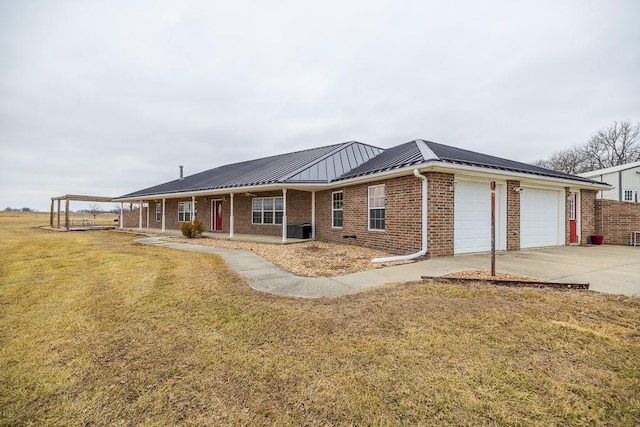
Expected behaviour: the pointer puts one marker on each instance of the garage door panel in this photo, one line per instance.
(540, 218)
(472, 217)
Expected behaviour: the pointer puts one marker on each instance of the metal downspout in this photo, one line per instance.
(423, 251)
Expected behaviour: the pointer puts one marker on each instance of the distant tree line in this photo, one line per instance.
(10, 209)
(613, 146)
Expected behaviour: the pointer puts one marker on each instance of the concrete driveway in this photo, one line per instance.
(607, 268)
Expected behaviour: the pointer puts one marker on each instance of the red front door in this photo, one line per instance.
(573, 213)
(216, 215)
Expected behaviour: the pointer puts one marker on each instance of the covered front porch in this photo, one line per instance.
(269, 215)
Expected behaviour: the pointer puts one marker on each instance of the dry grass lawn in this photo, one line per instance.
(96, 330)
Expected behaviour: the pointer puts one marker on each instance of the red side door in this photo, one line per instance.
(216, 215)
(573, 223)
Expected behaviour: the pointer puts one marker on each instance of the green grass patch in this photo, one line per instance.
(95, 329)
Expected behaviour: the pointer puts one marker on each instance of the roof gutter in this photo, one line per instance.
(422, 251)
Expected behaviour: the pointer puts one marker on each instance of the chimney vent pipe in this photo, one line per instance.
(181, 170)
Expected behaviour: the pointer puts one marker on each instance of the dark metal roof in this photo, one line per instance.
(317, 165)
(338, 162)
(419, 152)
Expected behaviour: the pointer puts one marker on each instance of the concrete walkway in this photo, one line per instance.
(611, 269)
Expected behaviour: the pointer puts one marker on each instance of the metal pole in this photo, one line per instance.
(493, 228)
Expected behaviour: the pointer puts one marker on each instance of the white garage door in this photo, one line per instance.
(541, 219)
(472, 217)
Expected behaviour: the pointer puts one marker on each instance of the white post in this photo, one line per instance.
(313, 214)
(284, 214)
(231, 218)
(193, 208)
(148, 209)
(163, 212)
(140, 217)
(121, 214)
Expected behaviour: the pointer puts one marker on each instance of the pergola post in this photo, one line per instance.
(284, 215)
(140, 217)
(121, 214)
(58, 213)
(66, 214)
(231, 218)
(51, 215)
(163, 212)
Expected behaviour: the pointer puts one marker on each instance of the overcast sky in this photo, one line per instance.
(109, 97)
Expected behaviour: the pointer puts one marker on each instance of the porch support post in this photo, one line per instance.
(140, 217)
(163, 213)
(193, 208)
(148, 209)
(58, 213)
(284, 215)
(121, 214)
(231, 217)
(66, 214)
(313, 214)
(51, 215)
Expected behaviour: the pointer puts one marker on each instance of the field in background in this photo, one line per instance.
(95, 329)
(42, 218)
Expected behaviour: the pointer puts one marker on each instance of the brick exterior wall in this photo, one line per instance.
(513, 216)
(615, 220)
(587, 216)
(403, 216)
(440, 216)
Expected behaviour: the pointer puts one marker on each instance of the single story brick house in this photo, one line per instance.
(420, 198)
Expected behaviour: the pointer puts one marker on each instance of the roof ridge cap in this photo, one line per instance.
(426, 152)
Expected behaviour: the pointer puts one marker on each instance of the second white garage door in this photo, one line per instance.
(541, 218)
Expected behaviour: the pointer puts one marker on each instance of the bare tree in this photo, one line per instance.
(570, 160)
(616, 145)
(94, 210)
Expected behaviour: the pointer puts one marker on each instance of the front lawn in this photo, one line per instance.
(96, 330)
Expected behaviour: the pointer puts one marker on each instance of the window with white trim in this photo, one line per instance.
(158, 212)
(184, 211)
(376, 207)
(267, 210)
(337, 202)
(630, 196)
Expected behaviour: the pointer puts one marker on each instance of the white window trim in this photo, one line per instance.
(380, 230)
(274, 210)
(187, 211)
(634, 195)
(336, 210)
(158, 211)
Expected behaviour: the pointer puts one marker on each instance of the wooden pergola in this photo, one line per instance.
(68, 198)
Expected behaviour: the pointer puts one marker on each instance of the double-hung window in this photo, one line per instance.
(630, 195)
(158, 212)
(337, 203)
(267, 210)
(376, 207)
(184, 211)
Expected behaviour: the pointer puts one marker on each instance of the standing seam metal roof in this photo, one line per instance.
(334, 163)
(316, 165)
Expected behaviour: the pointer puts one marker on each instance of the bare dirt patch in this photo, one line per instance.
(310, 259)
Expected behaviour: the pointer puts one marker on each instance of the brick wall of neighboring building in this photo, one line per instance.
(587, 215)
(132, 218)
(403, 215)
(615, 220)
(440, 214)
(513, 216)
